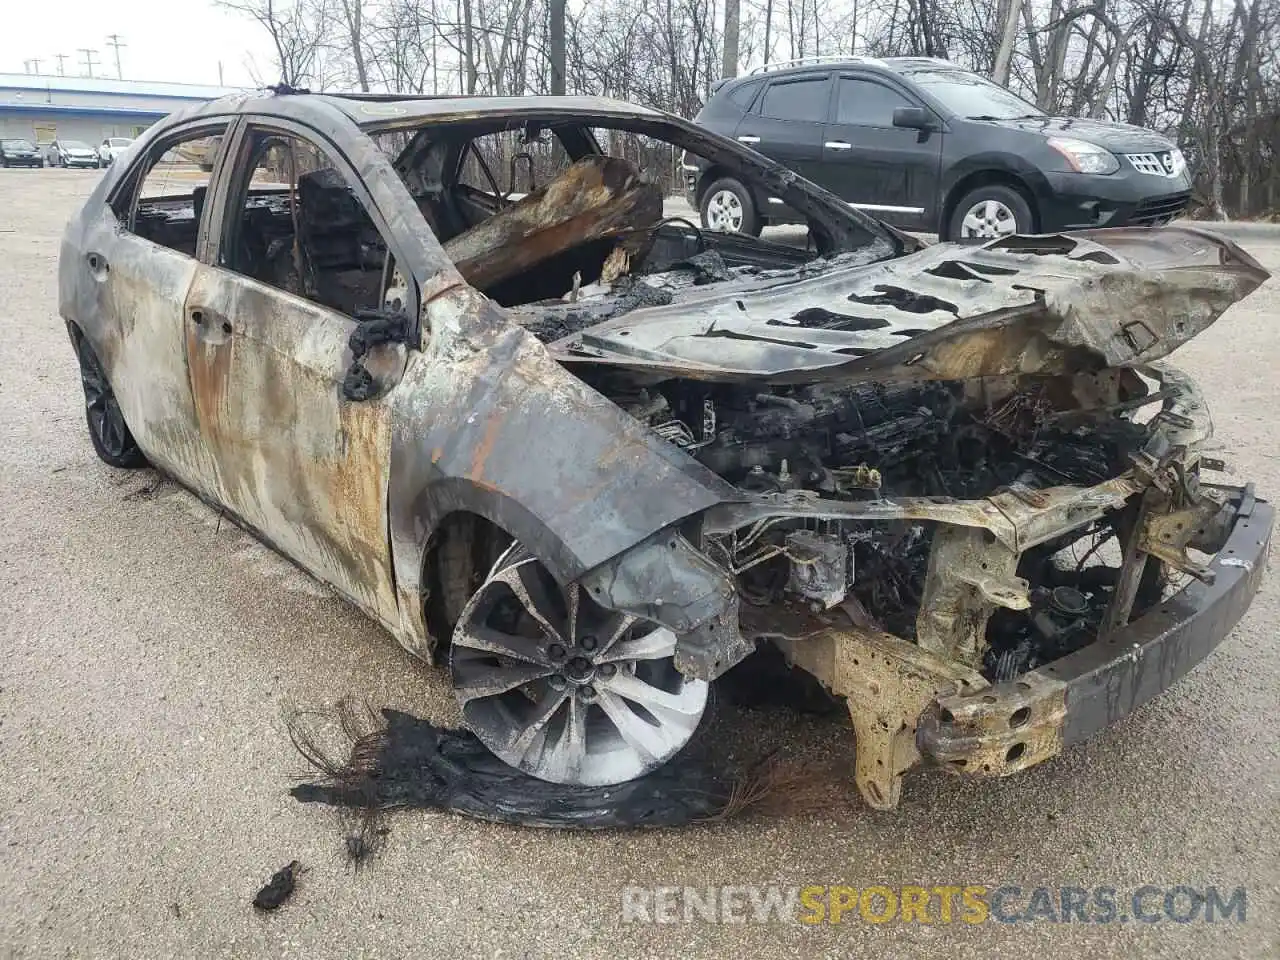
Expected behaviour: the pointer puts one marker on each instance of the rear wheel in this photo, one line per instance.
(727, 207)
(991, 211)
(111, 438)
(561, 688)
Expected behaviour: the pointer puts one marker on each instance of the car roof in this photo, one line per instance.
(372, 111)
(901, 65)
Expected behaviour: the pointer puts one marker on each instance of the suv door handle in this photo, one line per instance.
(838, 145)
(748, 139)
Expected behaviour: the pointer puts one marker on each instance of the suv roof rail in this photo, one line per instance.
(806, 61)
(942, 61)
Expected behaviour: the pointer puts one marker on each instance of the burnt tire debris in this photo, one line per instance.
(395, 760)
(279, 888)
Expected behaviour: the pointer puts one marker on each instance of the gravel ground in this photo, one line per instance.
(148, 650)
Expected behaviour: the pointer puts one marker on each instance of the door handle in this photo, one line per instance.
(748, 139)
(838, 145)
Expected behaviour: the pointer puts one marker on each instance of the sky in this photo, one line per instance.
(182, 44)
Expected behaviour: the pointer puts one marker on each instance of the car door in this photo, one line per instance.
(785, 122)
(267, 340)
(891, 172)
(140, 255)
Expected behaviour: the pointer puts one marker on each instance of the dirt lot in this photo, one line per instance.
(147, 651)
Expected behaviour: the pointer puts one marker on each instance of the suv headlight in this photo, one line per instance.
(1085, 157)
(1179, 162)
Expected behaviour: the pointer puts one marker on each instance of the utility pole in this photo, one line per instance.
(113, 40)
(62, 60)
(88, 59)
(35, 67)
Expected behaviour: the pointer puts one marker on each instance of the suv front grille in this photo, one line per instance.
(1160, 164)
(1158, 210)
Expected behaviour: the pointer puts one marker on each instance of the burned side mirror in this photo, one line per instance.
(373, 329)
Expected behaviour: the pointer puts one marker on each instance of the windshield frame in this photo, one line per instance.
(966, 78)
(17, 143)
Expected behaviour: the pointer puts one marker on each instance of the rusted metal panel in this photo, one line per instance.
(487, 422)
(128, 308)
(294, 460)
(887, 683)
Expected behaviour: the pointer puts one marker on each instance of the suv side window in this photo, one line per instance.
(867, 103)
(742, 96)
(804, 99)
(162, 199)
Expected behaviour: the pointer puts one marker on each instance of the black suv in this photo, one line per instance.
(924, 145)
(19, 153)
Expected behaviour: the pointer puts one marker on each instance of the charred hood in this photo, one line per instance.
(1019, 305)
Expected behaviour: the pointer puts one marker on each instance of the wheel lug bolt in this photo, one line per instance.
(607, 669)
(588, 642)
(587, 692)
(556, 651)
(558, 682)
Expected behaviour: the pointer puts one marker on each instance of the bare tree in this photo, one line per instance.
(297, 29)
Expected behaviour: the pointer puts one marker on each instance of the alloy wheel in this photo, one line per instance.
(102, 411)
(563, 689)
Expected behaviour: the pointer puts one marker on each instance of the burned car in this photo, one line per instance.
(451, 357)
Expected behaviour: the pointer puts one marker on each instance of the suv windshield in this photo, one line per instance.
(17, 144)
(974, 97)
(118, 142)
(74, 145)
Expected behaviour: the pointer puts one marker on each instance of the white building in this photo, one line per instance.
(43, 108)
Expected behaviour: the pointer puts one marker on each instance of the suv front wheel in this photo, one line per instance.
(989, 212)
(727, 207)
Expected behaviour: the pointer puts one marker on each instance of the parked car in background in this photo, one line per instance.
(19, 153)
(72, 153)
(112, 147)
(924, 145)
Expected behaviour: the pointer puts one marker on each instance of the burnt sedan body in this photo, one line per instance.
(451, 357)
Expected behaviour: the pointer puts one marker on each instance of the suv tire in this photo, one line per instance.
(990, 211)
(727, 207)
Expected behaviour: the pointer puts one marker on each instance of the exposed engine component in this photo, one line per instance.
(821, 567)
(931, 439)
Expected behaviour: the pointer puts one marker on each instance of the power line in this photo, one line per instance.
(113, 40)
(88, 59)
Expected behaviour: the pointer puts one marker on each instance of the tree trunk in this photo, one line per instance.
(730, 67)
(353, 10)
(468, 48)
(1008, 37)
(555, 40)
(768, 28)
